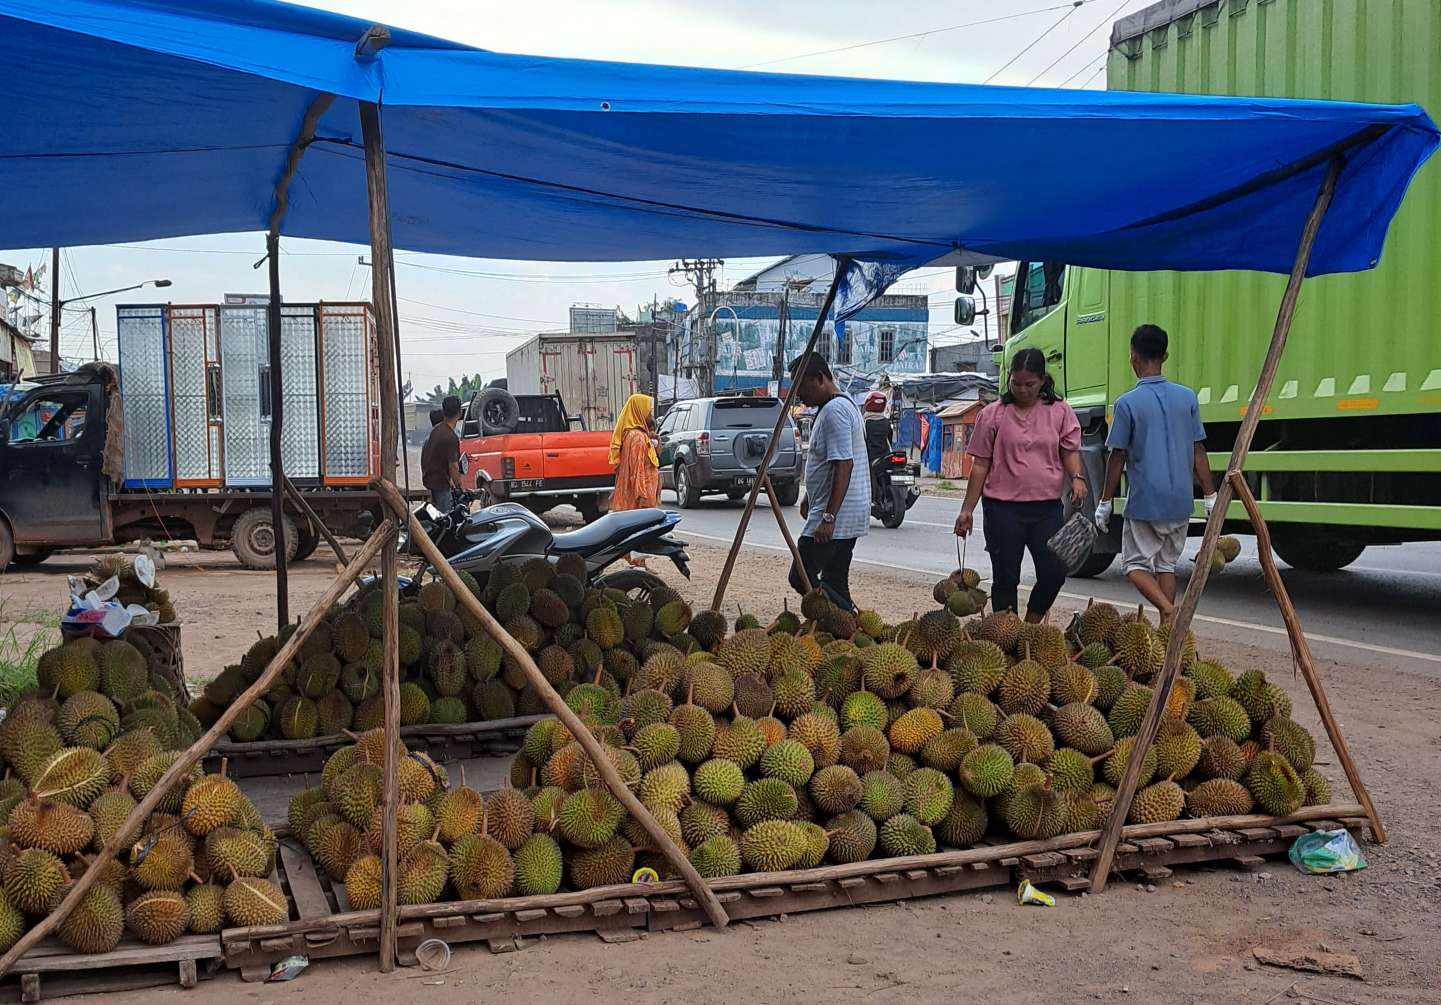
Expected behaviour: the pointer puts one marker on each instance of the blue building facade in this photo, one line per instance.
(889, 336)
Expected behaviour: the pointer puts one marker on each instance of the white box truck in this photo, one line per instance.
(593, 374)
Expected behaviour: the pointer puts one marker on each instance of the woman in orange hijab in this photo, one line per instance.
(632, 454)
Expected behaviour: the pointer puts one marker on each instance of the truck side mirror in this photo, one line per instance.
(965, 279)
(965, 310)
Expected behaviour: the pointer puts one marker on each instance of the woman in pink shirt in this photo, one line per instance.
(1025, 451)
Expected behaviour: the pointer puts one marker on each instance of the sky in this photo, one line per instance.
(461, 315)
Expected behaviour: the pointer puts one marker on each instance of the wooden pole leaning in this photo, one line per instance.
(382, 536)
(305, 508)
(557, 706)
(1302, 650)
(786, 533)
(1186, 609)
(382, 266)
(774, 442)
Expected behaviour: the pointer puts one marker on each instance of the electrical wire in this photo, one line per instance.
(1036, 41)
(1108, 19)
(902, 38)
(1084, 68)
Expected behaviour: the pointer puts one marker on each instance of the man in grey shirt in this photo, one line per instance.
(837, 503)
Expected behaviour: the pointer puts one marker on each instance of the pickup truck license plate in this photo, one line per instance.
(520, 484)
(903, 479)
(743, 482)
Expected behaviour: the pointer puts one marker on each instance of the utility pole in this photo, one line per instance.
(54, 310)
(654, 357)
(700, 272)
(94, 335)
(778, 362)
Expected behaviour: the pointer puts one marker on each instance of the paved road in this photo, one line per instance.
(1385, 608)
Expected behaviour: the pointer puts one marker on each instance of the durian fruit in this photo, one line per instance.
(748, 651)
(210, 802)
(336, 848)
(716, 857)
(1025, 738)
(1255, 696)
(34, 881)
(882, 795)
(1037, 811)
(53, 826)
(1072, 682)
(1178, 749)
(589, 818)
(836, 789)
(480, 866)
(1070, 770)
(1111, 681)
(928, 795)
(1025, 688)
(1291, 740)
(974, 712)
(788, 760)
(697, 730)
(904, 835)
(206, 902)
(611, 864)
(1221, 757)
(1093, 655)
(1046, 644)
(1219, 797)
(986, 771)
(236, 852)
(1137, 649)
(1318, 790)
(538, 866)
(1157, 803)
(1275, 784)
(74, 775)
(71, 668)
(1220, 717)
(1114, 766)
(88, 719)
(773, 845)
(700, 821)
(1083, 727)
(509, 818)
(362, 883)
(158, 916)
(1003, 628)
(1098, 622)
(862, 708)
(820, 735)
(964, 823)
(1228, 547)
(719, 781)
(765, 799)
(864, 748)
(888, 669)
(251, 901)
(1129, 709)
(656, 744)
(977, 665)
(911, 731)
(1212, 680)
(96, 923)
(946, 750)
(27, 744)
(458, 812)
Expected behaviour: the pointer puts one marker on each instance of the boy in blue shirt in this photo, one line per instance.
(1157, 439)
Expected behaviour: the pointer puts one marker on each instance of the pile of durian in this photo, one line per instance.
(825, 737)
(198, 863)
(451, 670)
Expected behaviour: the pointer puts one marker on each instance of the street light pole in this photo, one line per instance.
(55, 304)
(94, 335)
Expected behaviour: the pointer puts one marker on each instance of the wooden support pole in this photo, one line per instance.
(277, 426)
(774, 442)
(1186, 609)
(382, 265)
(1302, 652)
(304, 506)
(384, 535)
(556, 704)
(786, 533)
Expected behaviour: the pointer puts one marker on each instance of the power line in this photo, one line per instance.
(1108, 19)
(902, 38)
(1093, 76)
(1075, 6)
(1084, 68)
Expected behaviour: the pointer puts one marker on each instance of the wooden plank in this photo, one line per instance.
(306, 892)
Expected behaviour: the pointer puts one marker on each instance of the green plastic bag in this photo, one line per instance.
(1326, 851)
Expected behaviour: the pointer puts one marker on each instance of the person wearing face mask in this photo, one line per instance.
(1025, 454)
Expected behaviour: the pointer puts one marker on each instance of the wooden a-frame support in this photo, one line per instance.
(762, 478)
(1233, 483)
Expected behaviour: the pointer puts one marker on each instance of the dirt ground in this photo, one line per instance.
(1187, 939)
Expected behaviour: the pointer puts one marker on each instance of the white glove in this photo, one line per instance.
(1209, 502)
(1103, 515)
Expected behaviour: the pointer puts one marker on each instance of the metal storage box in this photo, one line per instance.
(194, 358)
(145, 391)
(349, 394)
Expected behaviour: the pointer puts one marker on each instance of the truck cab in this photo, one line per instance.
(525, 448)
(52, 490)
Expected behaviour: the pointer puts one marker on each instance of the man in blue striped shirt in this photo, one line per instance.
(837, 504)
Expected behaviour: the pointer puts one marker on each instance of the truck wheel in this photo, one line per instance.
(789, 493)
(253, 538)
(1314, 551)
(498, 410)
(686, 493)
(7, 545)
(306, 540)
(1095, 563)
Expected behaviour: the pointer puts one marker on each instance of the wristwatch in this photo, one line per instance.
(828, 518)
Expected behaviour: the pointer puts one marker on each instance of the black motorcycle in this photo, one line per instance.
(895, 482)
(476, 542)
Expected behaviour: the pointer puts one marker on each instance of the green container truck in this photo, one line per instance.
(1349, 450)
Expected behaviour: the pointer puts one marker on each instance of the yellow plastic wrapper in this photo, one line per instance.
(1028, 894)
(645, 874)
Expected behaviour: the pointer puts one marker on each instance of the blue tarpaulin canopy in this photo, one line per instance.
(156, 118)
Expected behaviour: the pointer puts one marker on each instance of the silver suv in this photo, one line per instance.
(715, 445)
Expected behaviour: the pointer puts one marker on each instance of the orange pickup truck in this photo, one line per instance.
(525, 448)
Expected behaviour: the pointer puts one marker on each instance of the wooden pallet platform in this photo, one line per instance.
(323, 925)
(1153, 859)
(51, 970)
(443, 743)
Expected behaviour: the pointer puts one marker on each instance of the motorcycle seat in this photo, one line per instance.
(609, 528)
